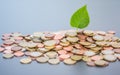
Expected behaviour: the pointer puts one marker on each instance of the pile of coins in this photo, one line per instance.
(96, 48)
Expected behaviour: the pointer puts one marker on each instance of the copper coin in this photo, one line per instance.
(111, 32)
(49, 35)
(82, 37)
(18, 38)
(5, 38)
(2, 49)
(59, 36)
(90, 63)
(7, 51)
(19, 53)
(6, 35)
(64, 56)
(8, 42)
(96, 57)
(108, 48)
(62, 52)
(16, 48)
(116, 50)
(68, 48)
(40, 45)
(58, 47)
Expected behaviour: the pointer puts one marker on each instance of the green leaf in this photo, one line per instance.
(80, 19)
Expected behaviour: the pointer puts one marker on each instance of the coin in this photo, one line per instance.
(64, 56)
(69, 61)
(85, 43)
(107, 51)
(101, 63)
(110, 58)
(2, 49)
(40, 45)
(36, 40)
(43, 50)
(116, 50)
(31, 45)
(88, 32)
(86, 58)
(8, 51)
(72, 39)
(98, 37)
(50, 43)
(89, 53)
(26, 60)
(8, 42)
(71, 33)
(58, 47)
(76, 57)
(23, 44)
(16, 34)
(16, 48)
(35, 54)
(90, 63)
(49, 35)
(54, 61)
(8, 55)
(51, 54)
(62, 52)
(59, 36)
(19, 53)
(96, 57)
(42, 59)
(64, 43)
(68, 48)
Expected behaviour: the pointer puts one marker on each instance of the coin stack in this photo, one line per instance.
(96, 48)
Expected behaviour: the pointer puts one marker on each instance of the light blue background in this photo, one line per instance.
(28, 16)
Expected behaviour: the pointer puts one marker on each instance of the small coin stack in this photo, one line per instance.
(96, 48)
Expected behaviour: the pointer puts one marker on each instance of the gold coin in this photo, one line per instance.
(69, 61)
(76, 57)
(64, 43)
(51, 54)
(86, 58)
(25, 60)
(85, 43)
(49, 47)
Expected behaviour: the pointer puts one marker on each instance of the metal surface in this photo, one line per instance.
(28, 16)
